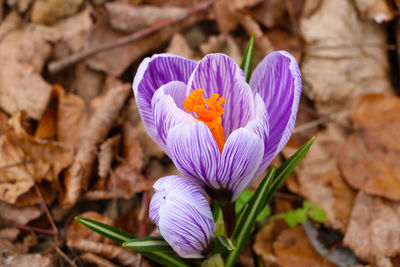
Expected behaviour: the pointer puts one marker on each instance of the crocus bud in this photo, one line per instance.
(183, 216)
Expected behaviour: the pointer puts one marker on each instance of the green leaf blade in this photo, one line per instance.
(145, 244)
(247, 61)
(105, 230)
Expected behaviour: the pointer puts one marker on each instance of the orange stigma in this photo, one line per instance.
(208, 111)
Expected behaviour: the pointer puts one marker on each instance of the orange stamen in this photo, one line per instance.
(208, 111)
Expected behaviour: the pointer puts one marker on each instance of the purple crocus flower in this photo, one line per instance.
(183, 216)
(219, 131)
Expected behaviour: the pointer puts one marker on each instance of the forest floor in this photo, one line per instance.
(72, 141)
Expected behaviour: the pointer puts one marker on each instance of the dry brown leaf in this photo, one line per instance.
(20, 215)
(47, 124)
(26, 160)
(11, 22)
(293, 249)
(370, 160)
(261, 41)
(97, 260)
(31, 260)
(76, 231)
(222, 44)
(108, 151)
(48, 191)
(22, 56)
(225, 15)
(71, 114)
(130, 18)
(345, 57)
(283, 41)
(264, 241)
(179, 46)
(320, 180)
(88, 83)
(374, 228)
(9, 234)
(269, 13)
(3, 122)
(378, 10)
(115, 61)
(241, 4)
(49, 11)
(118, 253)
(78, 175)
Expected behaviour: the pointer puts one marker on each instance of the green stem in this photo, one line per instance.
(228, 211)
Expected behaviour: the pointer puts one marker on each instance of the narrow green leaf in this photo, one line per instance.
(147, 244)
(226, 242)
(290, 218)
(120, 237)
(244, 227)
(247, 61)
(105, 230)
(317, 214)
(308, 205)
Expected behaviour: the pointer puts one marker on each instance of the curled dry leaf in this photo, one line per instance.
(337, 39)
(71, 114)
(20, 215)
(323, 183)
(126, 180)
(22, 56)
(49, 11)
(94, 133)
(108, 151)
(130, 18)
(97, 260)
(378, 10)
(374, 228)
(370, 160)
(25, 160)
(293, 249)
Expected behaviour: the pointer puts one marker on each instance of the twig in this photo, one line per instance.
(56, 66)
(62, 254)
(26, 227)
(316, 122)
(42, 201)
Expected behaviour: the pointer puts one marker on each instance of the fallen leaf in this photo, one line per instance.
(337, 39)
(242, 4)
(374, 228)
(20, 215)
(71, 114)
(131, 18)
(108, 151)
(49, 11)
(88, 83)
(269, 13)
(261, 41)
(320, 180)
(46, 128)
(281, 40)
(225, 15)
(179, 46)
(22, 57)
(9, 234)
(12, 22)
(292, 248)
(31, 260)
(378, 10)
(97, 260)
(370, 160)
(78, 175)
(115, 61)
(3, 123)
(26, 160)
(222, 44)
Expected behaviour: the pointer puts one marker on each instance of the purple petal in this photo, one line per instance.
(193, 149)
(277, 79)
(166, 114)
(241, 157)
(219, 74)
(152, 74)
(177, 90)
(183, 216)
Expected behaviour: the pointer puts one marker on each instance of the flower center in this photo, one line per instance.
(208, 111)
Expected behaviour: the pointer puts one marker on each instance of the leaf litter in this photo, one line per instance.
(77, 137)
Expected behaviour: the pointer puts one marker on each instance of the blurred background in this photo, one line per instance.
(72, 141)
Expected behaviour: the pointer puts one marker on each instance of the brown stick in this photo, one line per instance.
(19, 226)
(57, 65)
(62, 254)
(78, 175)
